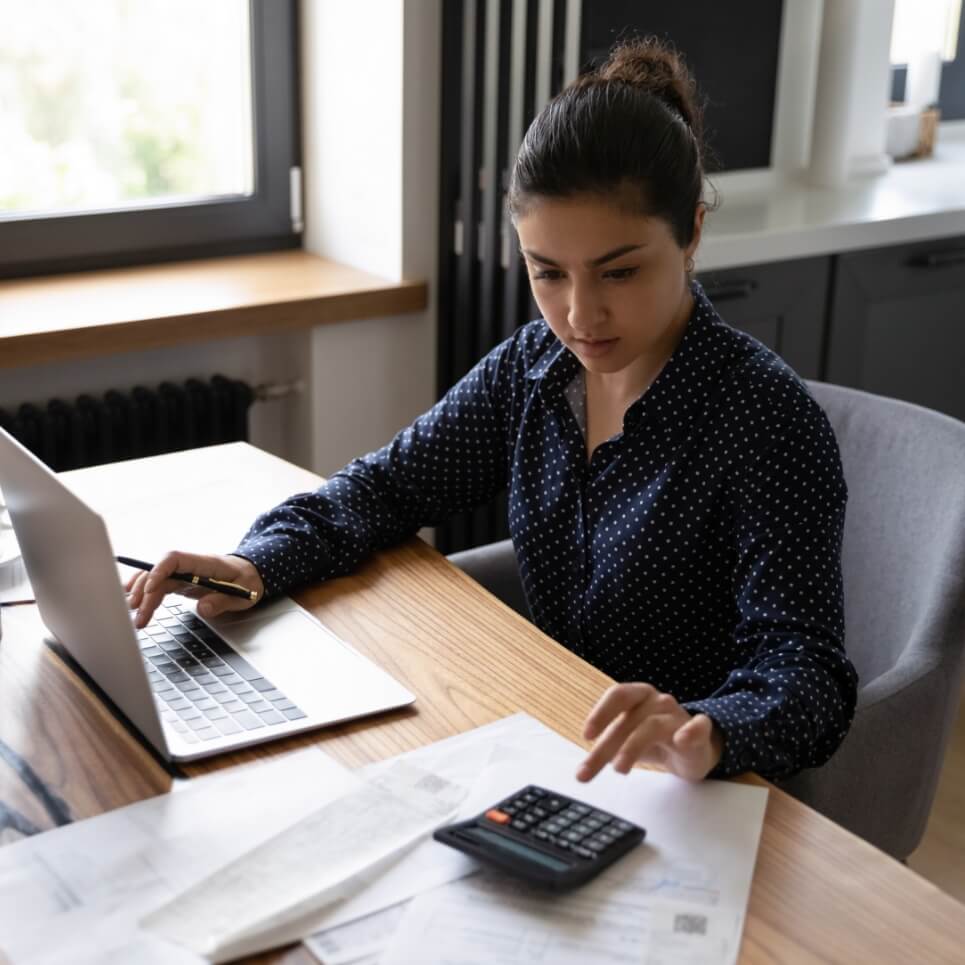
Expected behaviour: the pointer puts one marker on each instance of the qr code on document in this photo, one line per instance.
(690, 924)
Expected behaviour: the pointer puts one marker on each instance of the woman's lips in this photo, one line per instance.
(594, 348)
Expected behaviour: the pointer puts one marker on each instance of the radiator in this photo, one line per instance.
(134, 423)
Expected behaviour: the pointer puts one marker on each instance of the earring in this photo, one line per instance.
(689, 266)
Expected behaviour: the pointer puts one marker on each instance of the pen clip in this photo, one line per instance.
(252, 594)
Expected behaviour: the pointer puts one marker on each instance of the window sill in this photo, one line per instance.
(64, 317)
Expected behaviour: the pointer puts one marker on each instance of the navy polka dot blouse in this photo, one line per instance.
(698, 550)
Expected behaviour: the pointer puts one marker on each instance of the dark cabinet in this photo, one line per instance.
(783, 305)
(898, 323)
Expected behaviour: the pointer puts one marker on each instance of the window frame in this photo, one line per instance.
(951, 89)
(261, 221)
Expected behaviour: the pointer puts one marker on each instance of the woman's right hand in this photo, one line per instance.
(145, 591)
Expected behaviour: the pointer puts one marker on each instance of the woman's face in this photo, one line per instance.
(612, 285)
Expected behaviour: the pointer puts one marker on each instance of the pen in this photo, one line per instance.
(222, 586)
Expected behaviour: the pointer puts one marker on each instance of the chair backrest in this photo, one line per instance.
(904, 586)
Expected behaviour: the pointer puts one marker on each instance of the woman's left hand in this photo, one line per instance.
(634, 723)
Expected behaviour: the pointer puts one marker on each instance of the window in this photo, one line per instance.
(920, 26)
(139, 130)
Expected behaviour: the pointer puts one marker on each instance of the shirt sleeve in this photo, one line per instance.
(452, 458)
(791, 704)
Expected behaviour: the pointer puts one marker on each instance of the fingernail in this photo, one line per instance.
(583, 774)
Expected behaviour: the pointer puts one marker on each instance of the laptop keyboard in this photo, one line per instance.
(205, 689)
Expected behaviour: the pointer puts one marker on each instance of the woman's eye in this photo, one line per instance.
(620, 274)
(547, 274)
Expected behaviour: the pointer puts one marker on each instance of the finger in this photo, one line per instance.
(694, 733)
(136, 590)
(647, 742)
(213, 604)
(612, 739)
(616, 700)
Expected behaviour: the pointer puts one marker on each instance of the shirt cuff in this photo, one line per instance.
(258, 558)
(745, 746)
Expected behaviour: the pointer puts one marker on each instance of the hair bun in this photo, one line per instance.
(653, 65)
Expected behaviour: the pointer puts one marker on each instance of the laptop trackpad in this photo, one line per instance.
(315, 669)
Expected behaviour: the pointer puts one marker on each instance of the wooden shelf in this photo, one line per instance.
(62, 317)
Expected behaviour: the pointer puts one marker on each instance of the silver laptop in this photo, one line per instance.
(192, 687)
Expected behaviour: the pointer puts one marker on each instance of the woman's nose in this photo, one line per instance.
(586, 309)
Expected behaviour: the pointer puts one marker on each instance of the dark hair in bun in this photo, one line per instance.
(630, 130)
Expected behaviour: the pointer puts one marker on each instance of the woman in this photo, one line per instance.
(675, 495)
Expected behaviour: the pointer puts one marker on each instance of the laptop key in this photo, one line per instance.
(195, 695)
(272, 717)
(261, 684)
(198, 723)
(189, 737)
(240, 665)
(178, 677)
(273, 695)
(248, 720)
(284, 705)
(205, 678)
(209, 733)
(178, 703)
(179, 725)
(234, 706)
(295, 714)
(236, 685)
(215, 713)
(260, 706)
(249, 697)
(221, 669)
(206, 704)
(227, 726)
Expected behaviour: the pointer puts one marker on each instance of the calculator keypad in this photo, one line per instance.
(559, 822)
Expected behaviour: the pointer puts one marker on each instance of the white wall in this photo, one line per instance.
(370, 111)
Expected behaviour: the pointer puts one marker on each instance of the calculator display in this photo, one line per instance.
(508, 844)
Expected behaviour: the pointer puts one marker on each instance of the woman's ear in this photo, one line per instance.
(699, 213)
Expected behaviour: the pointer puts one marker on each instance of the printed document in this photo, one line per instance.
(681, 896)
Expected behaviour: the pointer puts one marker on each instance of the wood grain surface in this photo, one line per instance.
(97, 313)
(819, 894)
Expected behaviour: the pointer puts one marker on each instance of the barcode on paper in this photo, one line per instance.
(690, 924)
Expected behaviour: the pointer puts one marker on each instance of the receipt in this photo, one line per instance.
(269, 895)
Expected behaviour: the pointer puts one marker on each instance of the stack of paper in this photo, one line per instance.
(298, 846)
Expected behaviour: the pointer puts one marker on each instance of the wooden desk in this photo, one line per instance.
(819, 893)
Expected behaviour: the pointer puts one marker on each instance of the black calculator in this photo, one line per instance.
(544, 837)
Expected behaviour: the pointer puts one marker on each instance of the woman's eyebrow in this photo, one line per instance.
(592, 263)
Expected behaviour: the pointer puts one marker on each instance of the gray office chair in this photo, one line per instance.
(904, 582)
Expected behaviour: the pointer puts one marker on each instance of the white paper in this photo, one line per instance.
(75, 894)
(359, 939)
(698, 858)
(264, 898)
